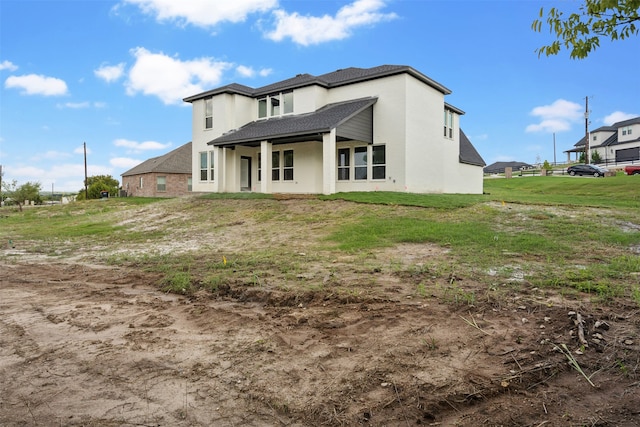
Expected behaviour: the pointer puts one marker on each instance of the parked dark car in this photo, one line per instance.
(586, 170)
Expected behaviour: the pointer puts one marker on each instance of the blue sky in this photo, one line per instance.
(113, 73)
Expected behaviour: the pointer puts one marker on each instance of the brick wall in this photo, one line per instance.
(176, 185)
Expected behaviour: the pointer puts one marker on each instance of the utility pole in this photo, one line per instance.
(86, 191)
(586, 131)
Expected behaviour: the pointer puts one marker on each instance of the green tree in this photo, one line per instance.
(580, 32)
(98, 183)
(19, 194)
(595, 157)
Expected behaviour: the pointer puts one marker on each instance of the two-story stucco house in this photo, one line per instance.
(618, 143)
(386, 128)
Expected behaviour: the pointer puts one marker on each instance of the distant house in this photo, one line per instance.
(617, 143)
(498, 167)
(385, 128)
(164, 176)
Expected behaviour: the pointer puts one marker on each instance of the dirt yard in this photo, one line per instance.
(86, 344)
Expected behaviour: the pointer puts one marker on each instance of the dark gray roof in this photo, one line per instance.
(321, 121)
(176, 161)
(498, 167)
(336, 78)
(629, 122)
(609, 141)
(468, 153)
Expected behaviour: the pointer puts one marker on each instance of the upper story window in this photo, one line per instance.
(208, 113)
(448, 123)
(275, 105)
(626, 130)
(595, 137)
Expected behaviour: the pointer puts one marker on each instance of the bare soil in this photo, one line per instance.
(86, 344)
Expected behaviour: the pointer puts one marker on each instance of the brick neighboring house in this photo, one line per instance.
(164, 176)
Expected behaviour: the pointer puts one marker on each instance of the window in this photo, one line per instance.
(262, 108)
(259, 167)
(161, 183)
(379, 162)
(626, 131)
(287, 98)
(208, 113)
(275, 166)
(288, 165)
(343, 164)
(448, 123)
(360, 162)
(275, 105)
(189, 184)
(595, 137)
(211, 164)
(141, 181)
(203, 166)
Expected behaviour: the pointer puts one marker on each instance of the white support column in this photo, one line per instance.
(219, 169)
(266, 148)
(329, 162)
(231, 176)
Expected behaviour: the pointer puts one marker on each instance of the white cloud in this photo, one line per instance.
(556, 117)
(308, 30)
(136, 146)
(245, 71)
(74, 105)
(110, 73)
(33, 84)
(53, 155)
(202, 13)
(124, 162)
(8, 65)
(171, 79)
(80, 150)
(618, 116)
(81, 105)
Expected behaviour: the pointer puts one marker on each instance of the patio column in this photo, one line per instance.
(329, 162)
(219, 169)
(266, 149)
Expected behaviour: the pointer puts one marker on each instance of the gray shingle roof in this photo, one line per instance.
(336, 78)
(176, 161)
(629, 122)
(321, 121)
(468, 153)
(498, 167)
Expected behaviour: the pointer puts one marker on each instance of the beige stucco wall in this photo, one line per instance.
(408, 120)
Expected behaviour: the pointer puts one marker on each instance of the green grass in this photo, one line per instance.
(567, 233)
(615, 191)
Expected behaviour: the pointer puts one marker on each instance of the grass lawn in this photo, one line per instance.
(569, 233)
